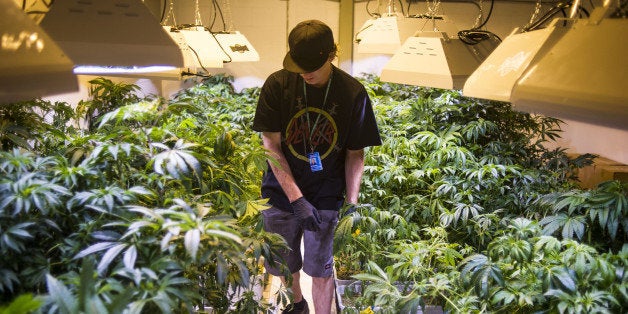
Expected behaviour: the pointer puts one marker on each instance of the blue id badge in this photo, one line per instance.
(315, 161)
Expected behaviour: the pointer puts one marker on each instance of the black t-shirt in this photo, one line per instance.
(345, 121)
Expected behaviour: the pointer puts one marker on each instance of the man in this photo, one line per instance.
(315, 122)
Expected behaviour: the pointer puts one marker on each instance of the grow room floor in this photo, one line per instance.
(306, 287)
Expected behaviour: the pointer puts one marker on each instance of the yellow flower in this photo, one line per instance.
(356, 233)
(368, 310)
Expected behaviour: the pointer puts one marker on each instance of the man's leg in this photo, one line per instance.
(318, 261)
(322, 294)
(285, 224)
(297, 293)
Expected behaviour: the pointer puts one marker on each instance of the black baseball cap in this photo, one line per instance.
(310, 44)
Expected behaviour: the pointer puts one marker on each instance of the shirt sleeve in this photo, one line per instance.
(268, 113)
(363, 131)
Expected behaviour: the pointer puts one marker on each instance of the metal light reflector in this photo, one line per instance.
(385, 35)
(584, 76)
(433, 59)
(112, 34)
(31, 64)
(237, 47)
(203, 50)
(495, 78)
(199, 47)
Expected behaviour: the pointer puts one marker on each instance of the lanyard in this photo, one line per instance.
(311, 129)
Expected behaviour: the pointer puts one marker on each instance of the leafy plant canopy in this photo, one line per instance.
(143, 204)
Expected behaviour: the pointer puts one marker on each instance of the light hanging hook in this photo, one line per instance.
(478, 20)
(432, 10)
(197, 14)
(390, 8)
(170, 15)
(229, 18)
(537, 9)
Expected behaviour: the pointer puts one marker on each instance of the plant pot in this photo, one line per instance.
(346, 291)
(204, 310)
(432, 309)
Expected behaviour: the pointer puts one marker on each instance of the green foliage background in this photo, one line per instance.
(136, 205)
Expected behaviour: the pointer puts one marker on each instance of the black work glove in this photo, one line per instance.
(348, 209)
(307, 214)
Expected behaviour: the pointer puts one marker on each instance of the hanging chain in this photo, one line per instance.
(390, 8)
(228, 16)
(170, 15)
(478, 20)
(537, 9)
(432, 10)
(197, 14)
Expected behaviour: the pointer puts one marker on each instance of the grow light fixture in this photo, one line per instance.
(495, 78)
(384, 35)
(237, 47)
(110, 36)
(199, 48)
(434, 59)
(202, 49)
(583, 77)
(31, 64)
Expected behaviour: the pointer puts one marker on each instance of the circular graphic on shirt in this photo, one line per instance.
(320, 134)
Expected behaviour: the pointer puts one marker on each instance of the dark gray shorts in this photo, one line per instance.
(318, 255)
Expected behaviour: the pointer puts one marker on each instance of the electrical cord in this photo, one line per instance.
(369, 12)
(217, 11)
(211, 25)
(198, 58)
(488, 16)
(403, 12)
(475, 35)
(163, 12)
(558, 7)
(223, 50)
(358, 40)
(187, 73)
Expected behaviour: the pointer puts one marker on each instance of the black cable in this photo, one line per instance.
(223, 50)
(369, 12)
(222, 18)
(211, 26)
(163, 13)
(198, 58)
(358, 40)
(488, 16)
(403, 12)
(558, 7)
(473, 37)
(476, 35)
(186, 73)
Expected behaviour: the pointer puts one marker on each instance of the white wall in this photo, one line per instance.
(266, 24)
